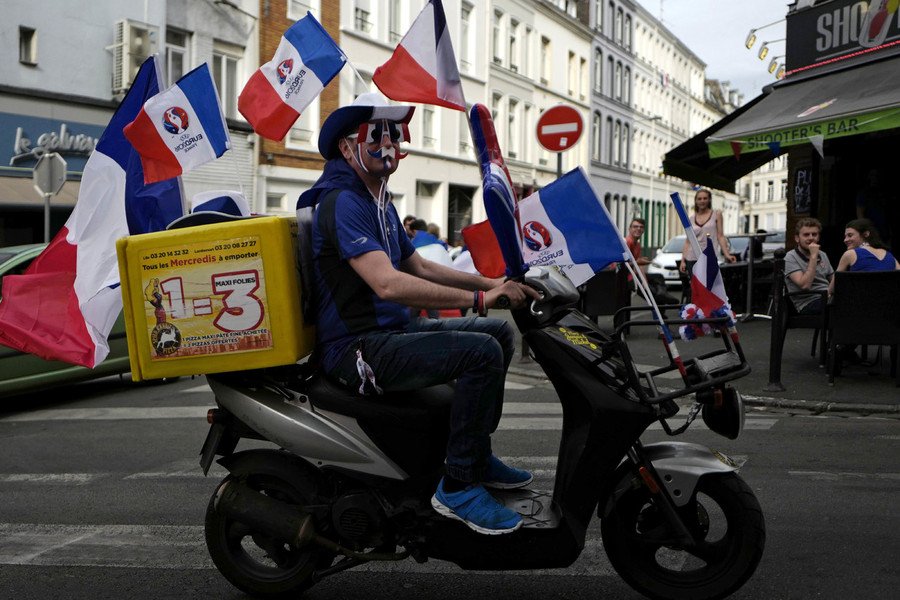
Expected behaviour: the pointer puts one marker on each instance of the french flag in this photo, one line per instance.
(64, 306)
(423, 66)
(305, 61)
(565, 224)
(707, 287)
(180, 128)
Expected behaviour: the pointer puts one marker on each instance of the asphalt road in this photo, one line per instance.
(101, 497)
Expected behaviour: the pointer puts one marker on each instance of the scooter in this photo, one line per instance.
(349, 480)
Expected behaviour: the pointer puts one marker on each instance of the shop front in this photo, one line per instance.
(836, 113)
(30, 126)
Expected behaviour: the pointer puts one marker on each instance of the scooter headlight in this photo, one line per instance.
(723, 411)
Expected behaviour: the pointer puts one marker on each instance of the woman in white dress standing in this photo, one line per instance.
(705, 222)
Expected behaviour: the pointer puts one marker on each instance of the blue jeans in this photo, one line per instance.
(474, 351)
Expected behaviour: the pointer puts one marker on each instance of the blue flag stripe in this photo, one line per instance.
(317, 50)
(574, 208)
(200, 91)
(679, 208)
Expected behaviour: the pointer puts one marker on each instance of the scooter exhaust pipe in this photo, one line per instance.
(267, 515)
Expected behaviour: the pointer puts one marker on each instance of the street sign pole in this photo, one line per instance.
(47, 218)
(49, 176)
(558, 165)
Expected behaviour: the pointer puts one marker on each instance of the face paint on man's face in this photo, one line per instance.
(376, 132)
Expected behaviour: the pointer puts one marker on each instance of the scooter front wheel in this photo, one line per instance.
(255, 563)
(725, 521)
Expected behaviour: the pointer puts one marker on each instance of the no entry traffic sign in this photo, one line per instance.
(559, 128)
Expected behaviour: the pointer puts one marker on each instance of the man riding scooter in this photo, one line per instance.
(367, 274)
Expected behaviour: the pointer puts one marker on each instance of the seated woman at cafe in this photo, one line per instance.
(865, 250)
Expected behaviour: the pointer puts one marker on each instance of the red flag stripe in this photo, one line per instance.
(156, 158)
(403, 79)
(263, 107)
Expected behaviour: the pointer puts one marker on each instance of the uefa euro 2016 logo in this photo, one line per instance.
(536, 236)
(175, 120)
(284, 69)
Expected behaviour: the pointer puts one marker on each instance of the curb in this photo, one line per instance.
(817, 407)
(812, 406)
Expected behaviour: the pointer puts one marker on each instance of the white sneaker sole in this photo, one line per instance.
(448, 512)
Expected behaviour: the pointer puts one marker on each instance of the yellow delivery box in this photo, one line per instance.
(213, 298)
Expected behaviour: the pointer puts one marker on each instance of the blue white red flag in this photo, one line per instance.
(707, 288)
(566, 224)
(65, 304)
(305, 61)
(181, 128)
(423, 67)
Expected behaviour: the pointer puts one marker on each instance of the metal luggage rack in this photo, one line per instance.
(704, 372)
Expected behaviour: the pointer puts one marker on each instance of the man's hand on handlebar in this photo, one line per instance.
(511, 292)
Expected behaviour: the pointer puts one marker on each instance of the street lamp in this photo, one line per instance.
(773, 64)
(751, 37)
(764, 49)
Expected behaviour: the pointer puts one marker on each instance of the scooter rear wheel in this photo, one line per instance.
(723, 516)
(251, 561)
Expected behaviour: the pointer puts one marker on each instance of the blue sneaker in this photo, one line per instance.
(475, 507)
(502, 477)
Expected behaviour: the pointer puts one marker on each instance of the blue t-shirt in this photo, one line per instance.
(346, 225)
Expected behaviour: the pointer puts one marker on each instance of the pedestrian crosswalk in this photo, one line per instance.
(517, 416)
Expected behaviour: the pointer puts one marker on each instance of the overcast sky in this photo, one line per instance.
(715, 30)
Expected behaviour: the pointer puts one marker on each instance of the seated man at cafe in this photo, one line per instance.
(806, 268)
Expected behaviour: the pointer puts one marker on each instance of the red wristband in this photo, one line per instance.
(482, 309)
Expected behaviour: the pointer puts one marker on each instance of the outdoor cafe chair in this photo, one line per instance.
(863, 311)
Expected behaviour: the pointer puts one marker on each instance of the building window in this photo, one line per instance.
(611, 69)
(362, 20)
(465, 135)
(512, 131)
(756, 192)
(526, 52)
(770, 191)
(426, 190)
(628, 32)
(177, 58)
(619, 26)
(297, 9)
(595, 137)
(274, 203)
(303, 131)
(394, 25)
(225, 72)
(784, 189)
(513, 56)
(626, 86)
(598, 16)
(459, 211)
(617, 145)
(572, 75)
(598, 70)
(545, 60)
(497, 16)
(618, 82)
(465, 16)
(582, 78)
(27, 46)
(609, 134)
(626, 146)
(428, 137)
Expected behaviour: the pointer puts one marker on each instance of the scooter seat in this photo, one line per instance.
(410, 427)
(419, 409)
